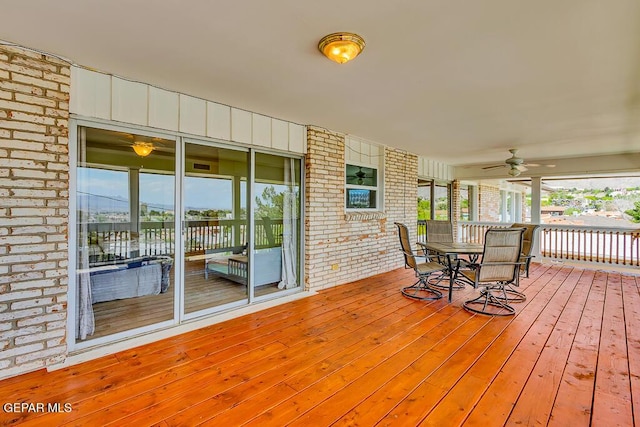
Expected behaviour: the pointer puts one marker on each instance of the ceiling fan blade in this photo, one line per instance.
(493, 167)
(538, 165)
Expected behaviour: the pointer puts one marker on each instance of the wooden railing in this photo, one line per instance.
(116, 240)
(592, 244)
(618, 246)
(473, 232)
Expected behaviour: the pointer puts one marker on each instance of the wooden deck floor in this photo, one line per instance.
(120, 315)
(361, 354)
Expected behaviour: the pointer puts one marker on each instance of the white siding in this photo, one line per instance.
(129, 101)
(163, 109)
(193, 115)
(102, 96)
(240, 126)
(218, 121)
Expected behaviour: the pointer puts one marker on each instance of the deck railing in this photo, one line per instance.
(602, 245)
(592, 244)
(620, 246)
(116, 240)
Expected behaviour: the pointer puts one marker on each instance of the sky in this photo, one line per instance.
(157, 190)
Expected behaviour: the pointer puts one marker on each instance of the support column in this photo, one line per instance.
(536, 189)
(503, 206)
(134, 209)
(237, 211)
(474, 202)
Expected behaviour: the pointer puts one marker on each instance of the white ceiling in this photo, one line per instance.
(457, 81)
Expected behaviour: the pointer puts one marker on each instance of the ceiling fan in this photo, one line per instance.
(516, 164)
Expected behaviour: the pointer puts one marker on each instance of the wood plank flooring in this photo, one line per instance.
(361, 354)
(116, 316)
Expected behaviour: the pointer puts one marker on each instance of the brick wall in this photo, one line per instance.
(34, 175)
(489, 203)
(340, 246)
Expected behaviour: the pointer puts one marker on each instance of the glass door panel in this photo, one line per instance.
(125, 231)
(276, 204)
(215, 227)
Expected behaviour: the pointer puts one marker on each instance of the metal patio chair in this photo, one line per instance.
(439, 231)
(420, 290)
(499, 267)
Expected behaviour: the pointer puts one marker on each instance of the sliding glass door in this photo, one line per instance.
(153, 249)
(214, 227)
(124, 232)
(276, 213)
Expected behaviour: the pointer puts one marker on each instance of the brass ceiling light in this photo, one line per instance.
(341, 47)
(142, 149)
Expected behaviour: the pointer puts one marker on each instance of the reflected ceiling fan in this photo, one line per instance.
(360, 175)
(516, 164)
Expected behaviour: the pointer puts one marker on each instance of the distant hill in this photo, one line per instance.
(100, 204)
(96, 203)
(116, 204)
(595, 183)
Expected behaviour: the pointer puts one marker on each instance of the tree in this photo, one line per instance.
(269, 203)
(424, 208)
(634, 213)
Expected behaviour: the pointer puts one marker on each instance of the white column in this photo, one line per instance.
(517, 207)
(536, 187)
(134, 211)
(503, 206)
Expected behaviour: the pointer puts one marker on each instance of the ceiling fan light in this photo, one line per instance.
(143, 149)
(341, 47)
(514, 171)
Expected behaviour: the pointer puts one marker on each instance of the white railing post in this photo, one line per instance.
(584, 244)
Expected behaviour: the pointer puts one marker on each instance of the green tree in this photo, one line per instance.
(424, 208)
(634, 213)
(269, 203)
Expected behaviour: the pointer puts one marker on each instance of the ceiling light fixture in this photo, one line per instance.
(514, 171)
(341, 47)
(143, 149)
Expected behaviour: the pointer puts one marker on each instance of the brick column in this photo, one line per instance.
(34, 175)
(345, 246)
(488, 203)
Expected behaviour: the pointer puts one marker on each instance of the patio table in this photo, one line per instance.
(450, 251)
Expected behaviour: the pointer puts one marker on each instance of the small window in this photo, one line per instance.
(434, 200)
(361, 199)
(361, 187)
(424, 199)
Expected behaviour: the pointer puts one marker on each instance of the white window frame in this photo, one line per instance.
(375, 188)
(366, 154)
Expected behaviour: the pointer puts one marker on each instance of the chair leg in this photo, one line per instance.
(421, 290)
(483, 304)
(511, 295)
(437, 282)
